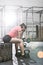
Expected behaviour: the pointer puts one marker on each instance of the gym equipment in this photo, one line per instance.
(18, 53)
(36, 52)
(36, 48)
(36, 31)
(26, 51)
(26, 40)
(5, 52)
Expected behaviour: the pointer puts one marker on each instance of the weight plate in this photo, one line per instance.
(37, 54)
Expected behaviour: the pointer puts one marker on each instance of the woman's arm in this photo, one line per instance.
(20, 33)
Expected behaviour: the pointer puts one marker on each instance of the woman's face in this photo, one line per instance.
(23, 29)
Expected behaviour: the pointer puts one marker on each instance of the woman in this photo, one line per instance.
(15, 36)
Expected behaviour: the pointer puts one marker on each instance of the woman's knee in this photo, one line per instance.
(21, 41)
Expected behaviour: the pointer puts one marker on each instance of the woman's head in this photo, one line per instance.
(23, 26)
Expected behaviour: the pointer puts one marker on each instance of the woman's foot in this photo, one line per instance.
(23, 56)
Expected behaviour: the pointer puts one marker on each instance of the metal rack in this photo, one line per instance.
(37, 10)
(32, 10)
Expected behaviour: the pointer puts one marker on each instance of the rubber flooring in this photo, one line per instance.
(23, 62)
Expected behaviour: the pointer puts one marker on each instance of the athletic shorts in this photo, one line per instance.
(6, 39)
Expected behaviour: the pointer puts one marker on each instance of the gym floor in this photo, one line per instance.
(6, 63)
(10, 63)
(33, 61)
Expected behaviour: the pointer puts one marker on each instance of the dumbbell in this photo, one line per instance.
(18, 53)
(27, 53)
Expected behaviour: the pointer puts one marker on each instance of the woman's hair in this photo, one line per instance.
(23, 25)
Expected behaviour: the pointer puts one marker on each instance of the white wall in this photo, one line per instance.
(22, 2)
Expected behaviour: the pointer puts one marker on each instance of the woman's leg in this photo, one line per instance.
(16, 46)
(20, 41)
(22, 47)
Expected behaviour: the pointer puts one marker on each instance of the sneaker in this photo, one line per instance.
(22, 56)
(17, 54)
